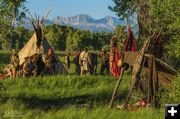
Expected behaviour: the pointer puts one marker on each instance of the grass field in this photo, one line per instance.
(66, 97)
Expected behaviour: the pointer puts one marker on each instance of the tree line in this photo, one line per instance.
(61, 38)
(67, 38)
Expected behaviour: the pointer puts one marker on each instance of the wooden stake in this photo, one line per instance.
(116, 88)
(129, 94)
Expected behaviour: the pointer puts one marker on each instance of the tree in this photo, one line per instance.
(67, 38)
(11, 11)
(125, 9)
(120, 32)
(69, 41)
(153, 15)
(53, 35)
(20, 36)
(165, 14)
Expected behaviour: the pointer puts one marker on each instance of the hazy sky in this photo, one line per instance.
(95, 8)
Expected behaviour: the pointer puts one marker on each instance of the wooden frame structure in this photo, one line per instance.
(159, 73)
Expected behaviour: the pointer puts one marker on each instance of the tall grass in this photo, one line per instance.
(70, 97)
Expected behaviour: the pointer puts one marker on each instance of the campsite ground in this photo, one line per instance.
(67, 96)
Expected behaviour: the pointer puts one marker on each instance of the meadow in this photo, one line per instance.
(67, 97)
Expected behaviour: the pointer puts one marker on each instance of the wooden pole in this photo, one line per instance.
(137, 67)
(116, 88)
(150, 70)
(129, 94)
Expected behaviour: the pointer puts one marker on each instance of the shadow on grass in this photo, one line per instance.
(88, 101)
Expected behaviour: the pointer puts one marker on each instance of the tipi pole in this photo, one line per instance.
(129, 94)
(116, 88)
(137, 67)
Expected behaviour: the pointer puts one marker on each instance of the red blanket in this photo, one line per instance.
(129, 45)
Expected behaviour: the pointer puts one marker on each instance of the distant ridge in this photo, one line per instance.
(85, 22)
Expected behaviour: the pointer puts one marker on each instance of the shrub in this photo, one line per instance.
(171, 94)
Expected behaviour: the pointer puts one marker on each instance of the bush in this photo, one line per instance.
(172, 93)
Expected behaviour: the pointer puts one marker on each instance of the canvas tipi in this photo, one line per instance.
(38, 44)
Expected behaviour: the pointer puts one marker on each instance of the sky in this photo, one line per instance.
(95, 8)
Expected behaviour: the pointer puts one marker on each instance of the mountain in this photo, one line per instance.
(86, 22)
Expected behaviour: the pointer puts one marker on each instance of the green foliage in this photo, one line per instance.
(11, 11)
(55, 36)
(124, 8)
(67, 38)
(165, 15)
(19, 37)
(120, 33)
(173, 53)
(104, 39)
(171, 94)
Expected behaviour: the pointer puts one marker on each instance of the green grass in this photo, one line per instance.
(66, 97)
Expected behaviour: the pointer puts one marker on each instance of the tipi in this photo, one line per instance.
(38, 44)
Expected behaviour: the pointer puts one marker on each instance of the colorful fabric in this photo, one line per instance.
(139, 59)
(129, 45)
(115, 70)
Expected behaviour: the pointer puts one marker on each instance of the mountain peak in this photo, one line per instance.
(85, 18)
(84, 15)
(86, 22)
